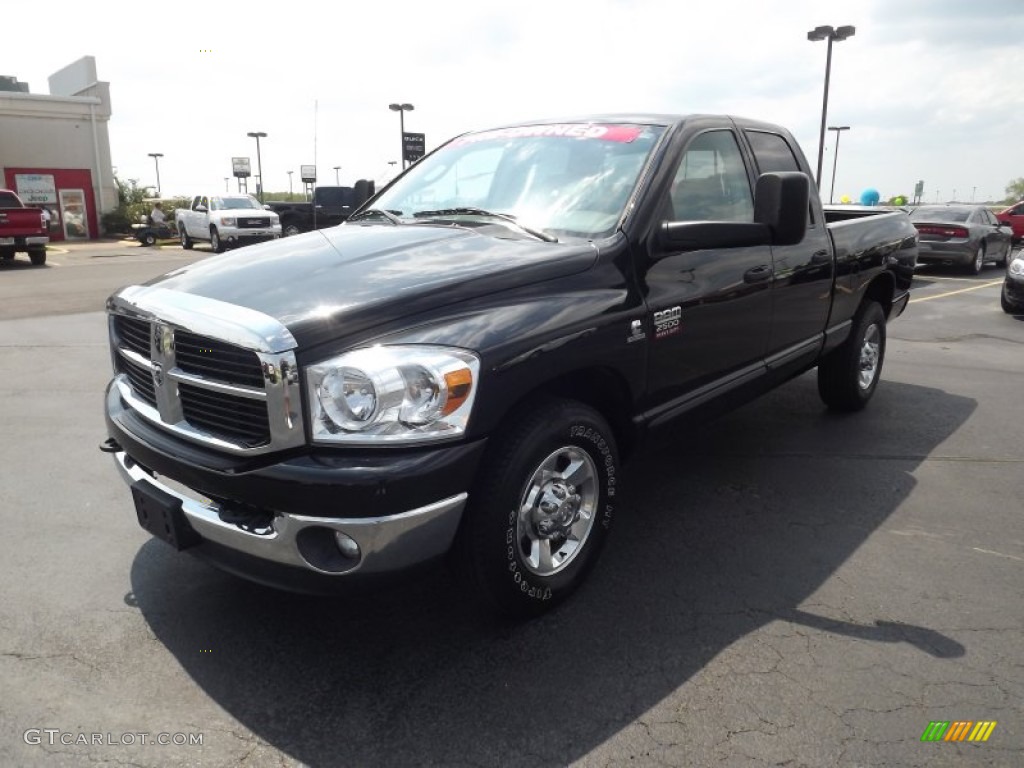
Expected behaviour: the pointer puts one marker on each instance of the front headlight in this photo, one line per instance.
(1017, 267)
(228, 221)
(396, 394)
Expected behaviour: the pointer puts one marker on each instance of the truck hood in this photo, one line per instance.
(332, 283)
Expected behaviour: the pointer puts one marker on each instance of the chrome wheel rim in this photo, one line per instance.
(979, 260)
(215, 240)
(291, 230)
(557, 511)
(870, 356)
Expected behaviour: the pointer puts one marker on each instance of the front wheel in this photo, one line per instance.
(149, 239)
(215, 242)
(540, 512)
(976, 266)
(1005, 258)
(1009, 307)
(849, 374)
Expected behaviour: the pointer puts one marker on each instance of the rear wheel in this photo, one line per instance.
(975, 266)
(149, 239)
(540, 512)
(186, 241)
(849, 374)
(38, 256)
(290, 229)
(215, 242)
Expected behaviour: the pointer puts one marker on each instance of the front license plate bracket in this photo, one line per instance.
(160, 514)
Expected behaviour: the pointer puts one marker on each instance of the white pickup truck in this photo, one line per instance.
(226, 221)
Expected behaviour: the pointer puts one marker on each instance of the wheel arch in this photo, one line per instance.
(880, 290)
(601, 388)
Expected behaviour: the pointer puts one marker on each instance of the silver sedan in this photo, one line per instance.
(964, 235)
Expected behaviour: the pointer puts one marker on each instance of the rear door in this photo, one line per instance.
(711, 308)
(333, 206)
(802, 274)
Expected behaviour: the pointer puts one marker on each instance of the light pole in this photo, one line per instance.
(401, 109)
(835, 158)
(259, 162)
(337, 183)
(290, 183)
(226, 183)
(156, 159)
(829, 34)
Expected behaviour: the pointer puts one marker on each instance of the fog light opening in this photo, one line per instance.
(346, 545)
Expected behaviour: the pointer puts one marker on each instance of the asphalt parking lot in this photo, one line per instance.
(783, 587)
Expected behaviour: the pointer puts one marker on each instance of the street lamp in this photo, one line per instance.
(337, 183)
(226, 183)
(290, 183)
(835, 159)
(156, 159)
(259, 162)
(401, 109)
(830, 34)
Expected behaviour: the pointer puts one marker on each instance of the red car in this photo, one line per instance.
(1014, 216)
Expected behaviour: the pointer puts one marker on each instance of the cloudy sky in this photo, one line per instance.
(928, 87)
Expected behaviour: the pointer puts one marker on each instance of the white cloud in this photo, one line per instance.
(925, 86)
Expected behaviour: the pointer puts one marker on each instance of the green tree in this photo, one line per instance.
(130, 199)
(1015, 190)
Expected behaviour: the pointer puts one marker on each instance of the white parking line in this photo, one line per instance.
(953, 293)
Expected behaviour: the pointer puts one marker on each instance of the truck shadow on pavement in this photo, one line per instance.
(723, 529)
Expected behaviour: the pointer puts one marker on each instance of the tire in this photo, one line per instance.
(290, 229)
(849, 374)
(522, 559)
(6, 254)
(1005, 259)
(186, 241)
(978, 263)
(215, 242)
(38, 257)
(1008, 307)
(149, 239)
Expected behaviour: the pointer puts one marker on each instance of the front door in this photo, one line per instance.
(73, 214)
(711, 307)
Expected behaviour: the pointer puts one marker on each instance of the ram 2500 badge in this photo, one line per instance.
(460, 368)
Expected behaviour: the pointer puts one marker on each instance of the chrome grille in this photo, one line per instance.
(233, 418)
(253, 223)
(141, 380)
(209, 371)
(204, 356)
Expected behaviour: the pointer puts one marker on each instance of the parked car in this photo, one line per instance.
(226, 221)
(21, 229)
(329, 208)
(1014, 216)
(459, 367)
(967, 236)
(1012, 297)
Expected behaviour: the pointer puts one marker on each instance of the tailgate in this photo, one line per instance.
(19, 222)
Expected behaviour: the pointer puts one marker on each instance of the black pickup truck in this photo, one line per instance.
(460, 368)
(329, 208)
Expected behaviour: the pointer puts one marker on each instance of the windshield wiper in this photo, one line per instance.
(507, 218)
(388, 216)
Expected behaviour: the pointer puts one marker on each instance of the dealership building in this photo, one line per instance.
(55, 148)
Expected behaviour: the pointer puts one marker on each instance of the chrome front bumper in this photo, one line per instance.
(385, 544)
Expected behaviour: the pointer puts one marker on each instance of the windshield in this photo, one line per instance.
(940, 214)
(228, 203)
(566, 179)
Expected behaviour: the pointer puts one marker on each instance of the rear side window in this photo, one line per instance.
(8, 200)
(773, 153)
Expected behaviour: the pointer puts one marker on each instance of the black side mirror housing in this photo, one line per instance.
(780, 203)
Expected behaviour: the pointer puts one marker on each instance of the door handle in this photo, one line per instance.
(821, 257)
(757, 274)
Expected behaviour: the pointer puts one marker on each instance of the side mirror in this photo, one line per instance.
(780, 203)
(266, 207)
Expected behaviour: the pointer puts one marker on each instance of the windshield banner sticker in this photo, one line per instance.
(619, 133)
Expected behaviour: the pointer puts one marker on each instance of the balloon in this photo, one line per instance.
(845, 200)
(869, 196)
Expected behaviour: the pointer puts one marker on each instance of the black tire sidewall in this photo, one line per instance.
(488, 537)
(838, 376)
